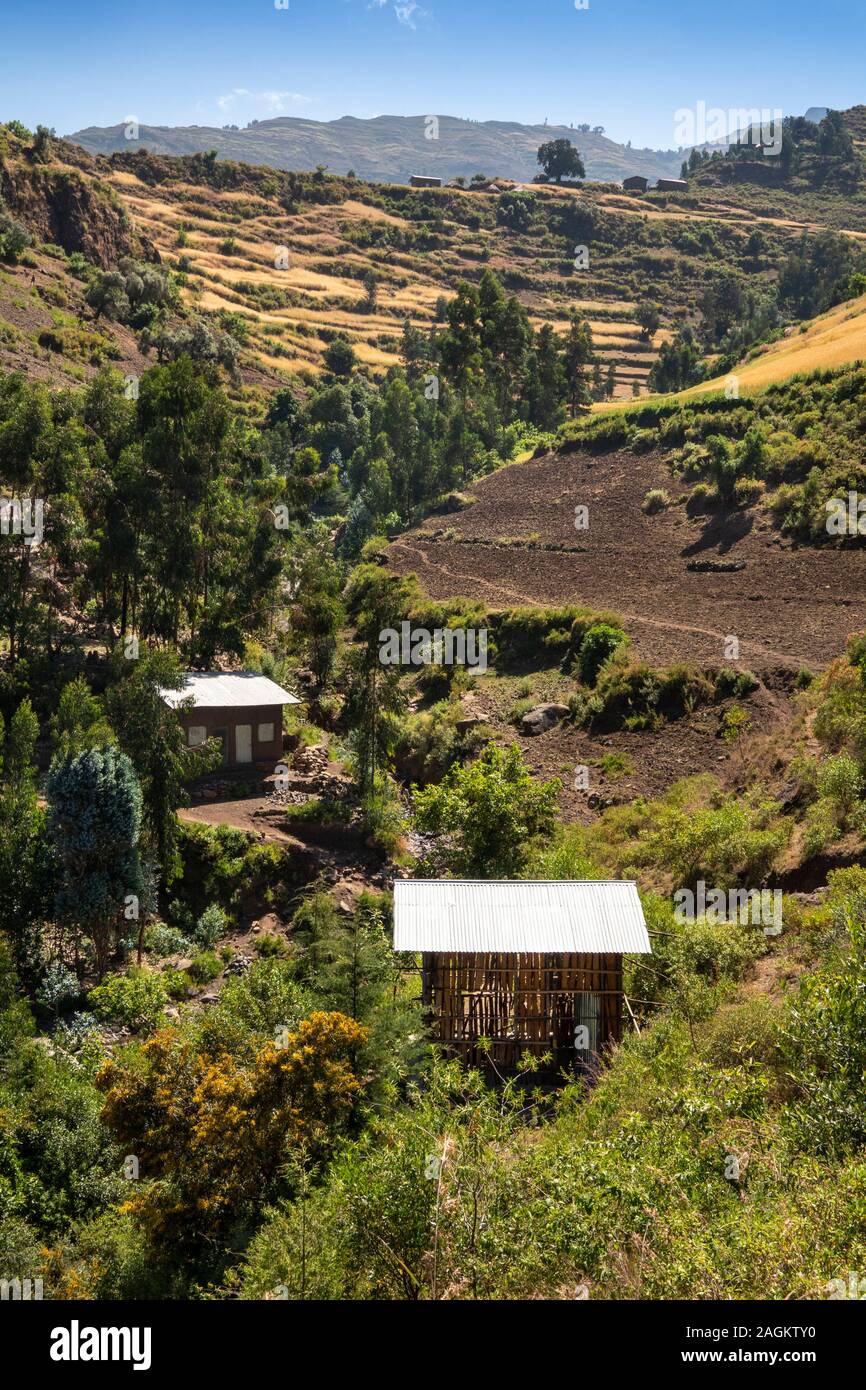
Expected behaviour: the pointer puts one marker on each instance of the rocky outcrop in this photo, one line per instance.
(543, 717)
(65, 206)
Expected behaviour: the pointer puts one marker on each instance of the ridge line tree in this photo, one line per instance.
(560, 159)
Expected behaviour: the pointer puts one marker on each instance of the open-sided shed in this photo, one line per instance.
(526, 966)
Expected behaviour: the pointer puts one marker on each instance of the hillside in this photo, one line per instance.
(675, 696)
(832, 339)
(387, 149)
(681, 582)
(218, 228)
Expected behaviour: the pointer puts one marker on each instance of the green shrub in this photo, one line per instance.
(735, 721)
(205, 966)
(176, 982)
(14, 238)
(135, 1000)
(384, 817)
(161, 940)
(634, 696)
(252, 1007)
(541, 634)
(212, 925)
(656, 500)
(269, 944)
(747, 491)
(825, 1040)
(744, 1032)
(428, 743)
(737, 683)
(585, 707)
(598, 644)
(724, 844)
(820, 827)
(840, 779)
(714, 951)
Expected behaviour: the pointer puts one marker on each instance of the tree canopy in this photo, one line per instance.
(560, 159)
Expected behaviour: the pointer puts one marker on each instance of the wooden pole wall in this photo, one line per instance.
(522, 1003)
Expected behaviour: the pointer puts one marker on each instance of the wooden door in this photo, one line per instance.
(243, 743)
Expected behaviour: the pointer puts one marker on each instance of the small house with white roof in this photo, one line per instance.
(241, 708)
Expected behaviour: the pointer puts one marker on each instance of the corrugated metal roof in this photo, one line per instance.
(521, 916)
(227, 690)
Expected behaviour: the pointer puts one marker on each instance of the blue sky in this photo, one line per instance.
(625, 64)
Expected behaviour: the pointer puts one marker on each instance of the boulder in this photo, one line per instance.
(543, 717)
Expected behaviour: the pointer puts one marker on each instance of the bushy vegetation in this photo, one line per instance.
(796, 449)
(692, 1171)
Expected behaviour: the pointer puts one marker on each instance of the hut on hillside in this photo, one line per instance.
(526, 966)
(636, 183)
(241, 708)
(672, 186)
(424, 181)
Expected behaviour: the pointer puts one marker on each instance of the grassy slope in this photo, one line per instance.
(834, 339)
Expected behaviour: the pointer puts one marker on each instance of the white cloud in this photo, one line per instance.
(408, 12)
(272, 101)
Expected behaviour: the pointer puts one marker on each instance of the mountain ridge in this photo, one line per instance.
(387, 148)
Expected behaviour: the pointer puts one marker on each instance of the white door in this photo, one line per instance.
(243, 743)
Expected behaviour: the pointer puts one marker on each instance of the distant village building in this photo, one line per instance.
(637, 182)
(672, 186)
(424, 181)
(241, 708)
(527, 967)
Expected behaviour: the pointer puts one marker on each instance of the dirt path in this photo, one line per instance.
(517, 596)
(631, 619)
(246, 815)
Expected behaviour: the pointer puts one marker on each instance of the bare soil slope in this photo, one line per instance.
(789, 605)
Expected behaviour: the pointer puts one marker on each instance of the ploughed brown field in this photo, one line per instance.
(790, 605)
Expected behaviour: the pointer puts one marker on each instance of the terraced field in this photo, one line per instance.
(293, 305)
(284, 261)
(419, 245)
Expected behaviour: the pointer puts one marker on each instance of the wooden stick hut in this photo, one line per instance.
(527, 967)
